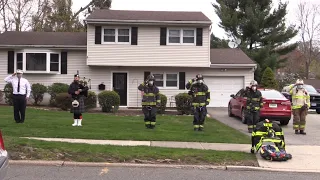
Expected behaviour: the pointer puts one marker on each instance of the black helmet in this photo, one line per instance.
(199, 77)
(150, 78)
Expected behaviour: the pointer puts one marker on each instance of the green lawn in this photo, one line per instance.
(56, 124)
(24, 149)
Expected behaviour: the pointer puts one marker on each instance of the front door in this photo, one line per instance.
(120, 86)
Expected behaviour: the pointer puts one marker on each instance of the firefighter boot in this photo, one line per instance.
(196, 127)
(201, 128)
(303, 132)
(296, 131)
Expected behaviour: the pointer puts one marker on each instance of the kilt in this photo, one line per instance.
(80, 108)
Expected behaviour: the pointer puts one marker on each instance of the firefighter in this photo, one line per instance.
(300, 106)
(201, 98)
(150, 101)
(254, 103)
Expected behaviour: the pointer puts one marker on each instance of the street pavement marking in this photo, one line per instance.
(104, 171)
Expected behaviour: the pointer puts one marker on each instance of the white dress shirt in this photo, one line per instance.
(25, 88)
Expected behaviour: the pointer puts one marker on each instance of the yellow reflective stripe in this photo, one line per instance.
(261, 104)
(201, 126)
(159, 101)
(149, 94)
(190, 81)
(198, 104)
(272, 140)
(208, 91)
(259, 133)
(208, 100)
(250, 126)
(196, 126)
(296, 107)
(256, 108)
(143, 84)
(279, 133)
(248, 107)
(148, 122)
(267, 124)
(302, 126)
(148, 103)
(153, 123)
(255, 99)
(201, 93)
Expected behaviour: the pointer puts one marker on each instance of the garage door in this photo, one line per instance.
(221, 88)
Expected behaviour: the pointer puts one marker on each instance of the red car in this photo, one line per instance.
(276, 106)
(4, 161)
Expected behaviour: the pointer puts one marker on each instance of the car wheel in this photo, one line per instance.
(230, 111)
(284, 122)
(318, 111)
(243, 117)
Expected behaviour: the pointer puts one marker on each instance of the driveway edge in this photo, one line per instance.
(207, 167)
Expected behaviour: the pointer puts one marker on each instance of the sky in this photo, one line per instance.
(187, 5)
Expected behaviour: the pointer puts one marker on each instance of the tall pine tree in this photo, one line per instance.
(263, 31)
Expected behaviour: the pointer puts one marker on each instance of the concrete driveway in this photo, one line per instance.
(305, 149)
(312, 127)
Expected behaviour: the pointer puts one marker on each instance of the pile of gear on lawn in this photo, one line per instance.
(268, 137)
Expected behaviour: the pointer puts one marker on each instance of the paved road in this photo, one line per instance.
(312, 127)
(122, 173)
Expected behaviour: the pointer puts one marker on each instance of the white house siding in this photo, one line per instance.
(148, 52)
(98, 74)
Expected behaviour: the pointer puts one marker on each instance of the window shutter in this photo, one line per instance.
(199, 37)
(10, 62)
(64, 63)
(134, 36)
(146, 74)
(182, 80)
(98, 35)
(163, 36)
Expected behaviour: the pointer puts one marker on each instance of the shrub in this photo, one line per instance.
(63, 101)
(37, 93)
(1, 96)
(8, 94)
(91, 100)
(55, 89)
(162, 108)
(268, 79)
(183, 103)
(109, 101)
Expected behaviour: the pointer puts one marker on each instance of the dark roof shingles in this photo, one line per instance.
(229, 56)
(44, 38)
(148, 15)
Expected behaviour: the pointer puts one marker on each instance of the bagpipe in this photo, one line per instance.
(85, 85)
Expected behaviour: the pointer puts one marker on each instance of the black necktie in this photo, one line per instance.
(19, 85)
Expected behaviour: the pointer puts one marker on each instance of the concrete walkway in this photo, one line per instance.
(188, 145)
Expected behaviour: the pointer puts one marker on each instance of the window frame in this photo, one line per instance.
(181, 36)
(165, 80)
(48, 61)
(116, 34)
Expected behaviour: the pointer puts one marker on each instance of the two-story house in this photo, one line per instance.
(120, 48)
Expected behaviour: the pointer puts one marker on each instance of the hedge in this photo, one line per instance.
(90, 101)
(109, 101)
(63, 101)
(162, 108)
(8, 94)
(183, 103)
(37, 93)
(55, 89)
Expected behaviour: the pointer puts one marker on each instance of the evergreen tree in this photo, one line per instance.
(216, 42)
(268, 79)
(262, 30)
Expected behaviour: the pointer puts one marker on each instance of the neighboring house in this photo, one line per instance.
(294, 64)
(120, 48)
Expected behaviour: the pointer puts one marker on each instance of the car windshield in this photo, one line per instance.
(310, 89)
(272, 95)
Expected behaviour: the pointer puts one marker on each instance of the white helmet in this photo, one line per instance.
(253, 83)
(299, 81)
(19, 71)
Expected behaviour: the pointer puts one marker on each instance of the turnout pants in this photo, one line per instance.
(150, 115)
(19, 106)
(199, 117)
(253, 118)
(299, 118)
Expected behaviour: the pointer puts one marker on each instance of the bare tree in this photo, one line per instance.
(309, 22)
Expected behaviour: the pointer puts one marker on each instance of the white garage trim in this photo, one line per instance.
(221, 87)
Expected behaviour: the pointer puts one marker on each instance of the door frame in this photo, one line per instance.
(127, 72)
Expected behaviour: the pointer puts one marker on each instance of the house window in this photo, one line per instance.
(116, 35)
(38, 62)
(169, 80)
(181, 36)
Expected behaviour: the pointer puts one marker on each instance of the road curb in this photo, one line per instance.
(106, 164)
